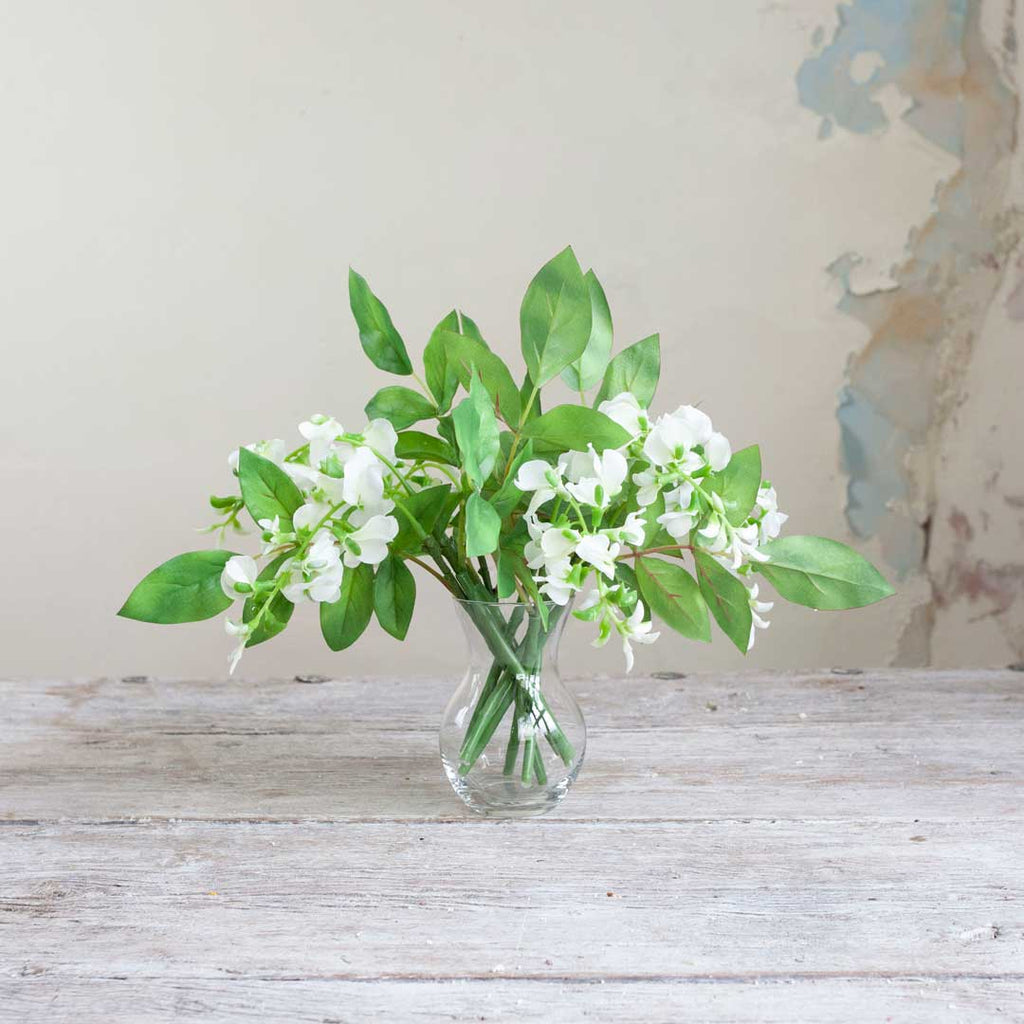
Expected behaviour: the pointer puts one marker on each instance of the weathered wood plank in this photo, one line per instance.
(776, 848)
(905, 745)
(791, 1000)
(513, 899)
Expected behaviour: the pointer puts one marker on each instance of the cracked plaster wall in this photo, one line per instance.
(930, 431)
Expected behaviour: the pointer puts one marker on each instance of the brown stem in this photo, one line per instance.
(437, 576)
(654, 551)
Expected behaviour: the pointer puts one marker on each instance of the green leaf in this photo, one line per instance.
(573, 427)
(441, 377)
(588, 370)
(672, 594)
(821, 573)
(184, 589)
(414, 445)
(276, 617)
(394, 596)
(555, 317)
(267, 490)
(425, 507)
(726, 597)
(737, 485)
(476, 431)
(464, 354)
(343, 622)
(506, 576)
(377, 334)
(401, 407)
(634, 369)
(483, 527)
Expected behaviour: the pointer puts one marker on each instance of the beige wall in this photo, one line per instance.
(185, 183)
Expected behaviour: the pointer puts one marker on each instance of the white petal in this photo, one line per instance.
(718, 452)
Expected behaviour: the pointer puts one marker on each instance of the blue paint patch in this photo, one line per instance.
(890, 29)
(874, 456)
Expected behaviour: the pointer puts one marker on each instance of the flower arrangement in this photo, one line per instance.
(649, 517)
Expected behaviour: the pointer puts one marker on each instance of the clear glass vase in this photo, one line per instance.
(512, 737)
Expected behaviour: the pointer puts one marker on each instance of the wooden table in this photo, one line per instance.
(832, 846)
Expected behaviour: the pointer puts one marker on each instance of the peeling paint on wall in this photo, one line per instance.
(907, 379)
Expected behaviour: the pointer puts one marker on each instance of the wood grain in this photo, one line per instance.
(746, 848)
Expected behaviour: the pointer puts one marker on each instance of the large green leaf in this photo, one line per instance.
(414, 445)
(672, 594)
(555, 317)
(476, 431)
(276, 617)
(465, 354)
(821, 573)
(727, 598)
(634, 369)
(377, 334)
(394, 596)
(402, 407)
(737, 485)
(588, 370)
(184, 589)
(425, 508)
(343, 622)
(483, 527)
(441, 377)
(267, 490)
(573, 427)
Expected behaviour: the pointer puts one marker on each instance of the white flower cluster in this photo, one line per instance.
(345, 519)
(566, 550)
(671, 457)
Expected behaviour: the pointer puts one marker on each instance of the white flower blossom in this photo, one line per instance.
(543, 479)
(321, 432)
(369, 543)
(272, 535)
(310, 515)
(679, 511)
(548, 543)
(770, 519)
(239, 576)
(717, 451)
(649, 487)
(363, 483)
(631, 628)
(675, 435)
(630, 532)
(555, 583)
(273, 450)
(634, 630)
(243, 631)
(317, 576)
(380, 435)
(625, 410)
(593, 479)
(731, 545)
(757, 609)
(598, 550)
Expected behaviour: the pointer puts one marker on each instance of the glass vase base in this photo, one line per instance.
(505, 797)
